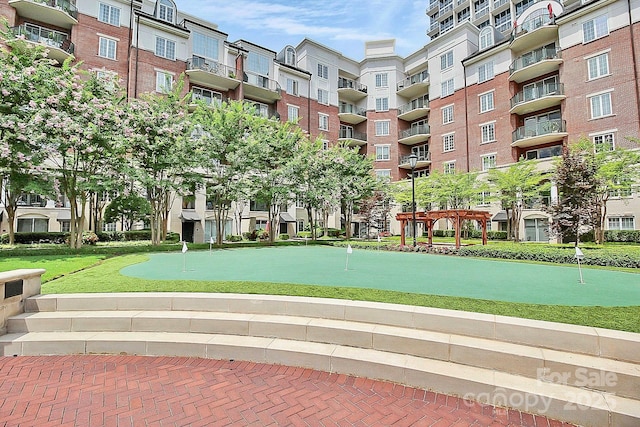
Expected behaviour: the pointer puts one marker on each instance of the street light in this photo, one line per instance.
(413, 160)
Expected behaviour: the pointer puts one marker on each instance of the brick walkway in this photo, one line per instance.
(174, 391)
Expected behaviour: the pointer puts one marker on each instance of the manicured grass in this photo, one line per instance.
(56, 265)
(105, 277)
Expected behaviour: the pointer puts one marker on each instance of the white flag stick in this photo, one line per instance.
(349, 250)
(210, 243)
(184, 256)
(579, 255)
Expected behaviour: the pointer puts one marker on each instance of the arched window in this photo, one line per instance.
(166, 11)
(486, 37)
(290, 56)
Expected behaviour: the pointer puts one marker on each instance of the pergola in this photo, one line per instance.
(456, 215)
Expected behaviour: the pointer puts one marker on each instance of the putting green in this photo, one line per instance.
(396, 271)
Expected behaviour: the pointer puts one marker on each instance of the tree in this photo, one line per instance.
(576, 177)
(24, 74)
(128, 208)
(161, 152)
(514, 185)
(375, 209)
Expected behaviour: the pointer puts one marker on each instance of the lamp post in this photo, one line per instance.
(413, 160)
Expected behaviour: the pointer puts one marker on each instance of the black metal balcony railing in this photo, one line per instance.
(68, 6)
(352, 109)
(213, 67)
(37, 34)
(349, 133)
(422, 157)
(261, 81)
(531, 24)
(413, 105)
(539, 129)
(537, 92)
(411, 80)
(413, 131)
(534, 57)
(351, 84)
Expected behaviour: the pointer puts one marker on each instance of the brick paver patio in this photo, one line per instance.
(173, 391)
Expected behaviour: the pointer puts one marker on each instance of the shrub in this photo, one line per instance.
(171, 237)
(263, 234)
(89, 238)
(284, 236)
(36, 237)
(631, 236)
(110, 236)
(304, 234)
(233, 238)
(251, 235)
(333, 232)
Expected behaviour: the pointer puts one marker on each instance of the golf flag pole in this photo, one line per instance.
(579, 255)
(349, 251)
(184, 255)
(379, 240)
(210, 243)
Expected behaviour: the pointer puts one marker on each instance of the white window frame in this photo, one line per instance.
(488, 132)
(166, 13)
(447, 88)
(446, 60)
(488, 161)
(382, 104)
(595, 64)
(382, 127)
(323, 121)
(161, 86)
(602, 101)
(162, 48)
(383, 152)
(448, 142)
(323, 71)
(382, 80)
(447, 114)
(619, 220)
(449, 167)
(107, 48)
(487, 102)
(323, 97)
(485, 72)
(383, 174)
(293, 113)
(595, 28)
(112, 14)
(600, 140)
(292, 87)
(486, 38)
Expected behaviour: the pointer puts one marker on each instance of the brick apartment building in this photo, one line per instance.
(499, 80)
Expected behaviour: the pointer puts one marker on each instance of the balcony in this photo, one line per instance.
(537, 98)
(481, 13)
(60, 13)
(500, 5)
(414, 110)
(533, 32)
(57, 43)
(534, 64)
(261, 88)
(350, 113)
(351, 90)
(414, 135)
(540, 133)
(423, 160)
(353, 138)
(211, 74)
(433, 5)
(461, 5)
(414, 85)
(445, 10)
(434, 28)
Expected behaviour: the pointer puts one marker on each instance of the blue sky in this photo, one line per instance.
(341, 25)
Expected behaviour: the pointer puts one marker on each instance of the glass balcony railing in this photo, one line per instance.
(531, 24)
(414, 79)
(352, 109)
(261, 81)
(537, 92)
(534, 57)
(46, 36)
(213, 67)
(413, 105)
(349, 133)
(68, 6)
(541, 128)
(413, 131)
(422, 157)
(344, 83)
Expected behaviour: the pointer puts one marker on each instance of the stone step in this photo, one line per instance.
(561, 401)
(585, 371)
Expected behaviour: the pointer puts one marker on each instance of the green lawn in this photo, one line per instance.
(56, 265)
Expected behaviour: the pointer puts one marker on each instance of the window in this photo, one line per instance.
(488, 131)
(165, 48)
(382, 104)
(292, 113)
(486, 38)
(109, 227)
(382, 80)
(258, 205)
(449, 167)
(109, 14)
(292, 87)
(205, 46)
(447, 88)
(208, 96)
(32, 225)
(620, 192)
(488, 161)
(164, 82)
(323, 96)
(484, 199)
(486, 102)
(382, 127)
(598, 66)
(290, 56)
(447, 114)
(621, 223)
(262, 110)
(323, 71)
(448, 142)
(594, 29)
(65, 226)
(446, 60)
(107, 48)
(383, 174)
(604, 142)
(544, 153)
(323, 121)
(522, 6)
(166, 11)
(485, 72)
(382, 152)
(503, 21)
(600, 105)
(257, 63)
(300, 225)
(325, 144)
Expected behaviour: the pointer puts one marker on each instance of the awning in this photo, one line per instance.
(285, 217)
(187, 216)
(64, 216)
(500, 217)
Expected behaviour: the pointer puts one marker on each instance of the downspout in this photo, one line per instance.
(309, 106)
(135, 84)
(633, 57)
(129, 43)
(466, 114)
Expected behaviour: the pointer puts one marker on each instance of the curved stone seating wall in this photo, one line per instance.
(584, 375)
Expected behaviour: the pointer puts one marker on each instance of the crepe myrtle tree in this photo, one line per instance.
(25, 73)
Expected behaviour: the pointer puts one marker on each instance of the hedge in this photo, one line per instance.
(37, 237)
(631, 236)
(61, 238)
(473, 234)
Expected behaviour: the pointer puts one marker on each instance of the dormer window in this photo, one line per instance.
(486, 37)
(166, 11)
(290, 56)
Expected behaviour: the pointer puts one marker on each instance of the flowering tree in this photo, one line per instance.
(160, 152)
(24, 72)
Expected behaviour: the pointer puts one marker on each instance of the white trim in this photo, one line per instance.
(590, 95)
(593, 55)
(106, 36)
(603, 132)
